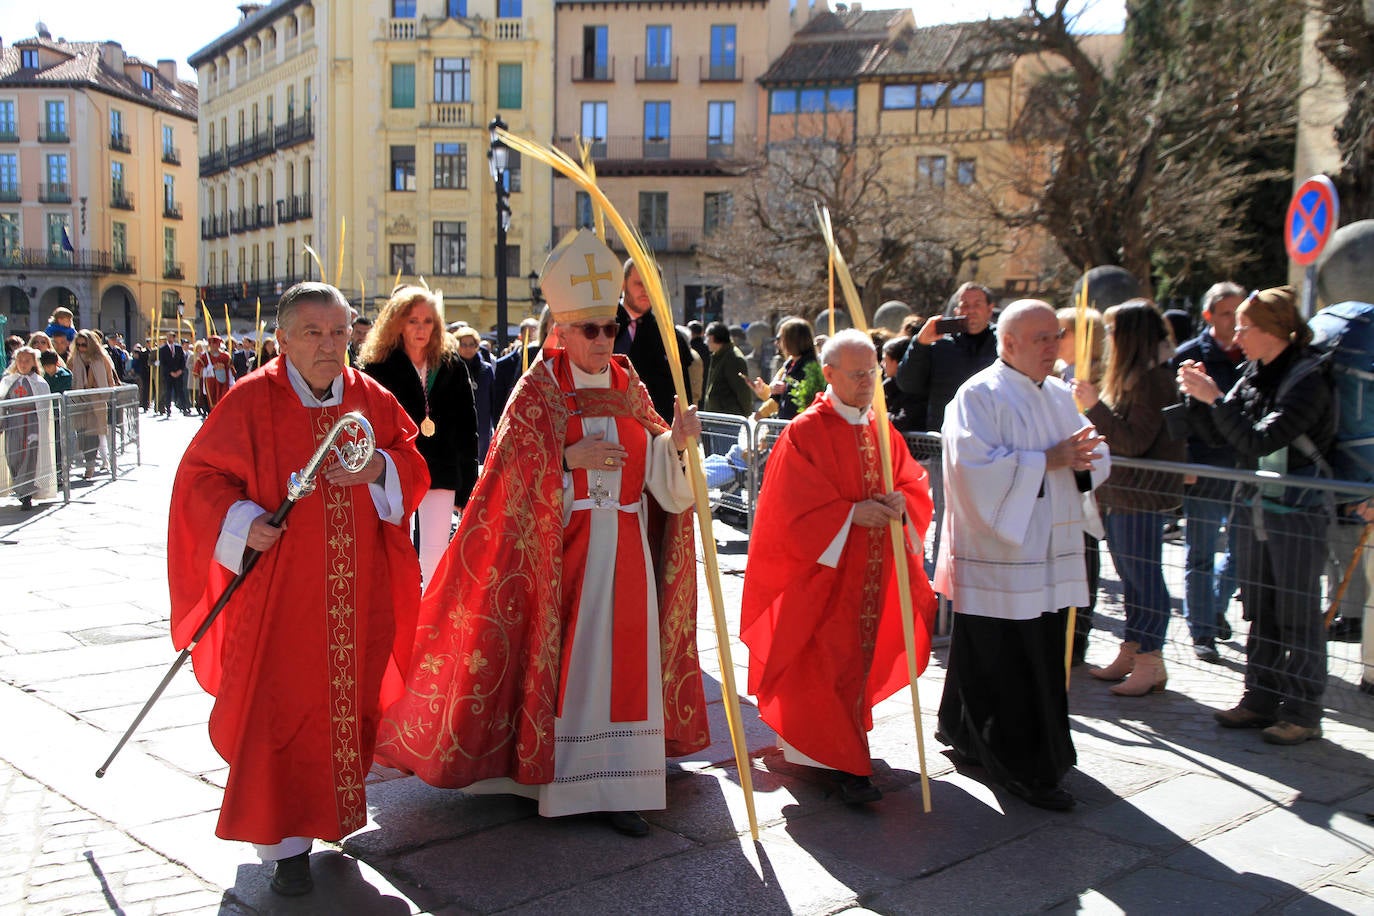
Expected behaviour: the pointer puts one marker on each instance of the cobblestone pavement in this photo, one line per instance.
(1175, 814)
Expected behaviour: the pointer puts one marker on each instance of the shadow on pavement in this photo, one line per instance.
(340, 887)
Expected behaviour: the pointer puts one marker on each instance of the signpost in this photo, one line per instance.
(1312, 217)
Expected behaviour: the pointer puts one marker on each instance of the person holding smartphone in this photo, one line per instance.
(949, 350)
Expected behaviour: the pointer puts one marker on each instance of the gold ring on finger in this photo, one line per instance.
(610, 462)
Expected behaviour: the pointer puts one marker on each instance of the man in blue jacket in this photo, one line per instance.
(1208, 579)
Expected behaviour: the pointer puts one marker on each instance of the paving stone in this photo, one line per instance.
(406, 813)
(1326, 900)
(1173, 813)
(1162, 890)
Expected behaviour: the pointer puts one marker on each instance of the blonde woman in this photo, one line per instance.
(27, 431)
(410, 354)
(91, 368)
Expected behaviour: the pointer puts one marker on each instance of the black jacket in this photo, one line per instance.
(170, 359)
(650, 359)
(1253, 421)
(933, 374)
(506, 372)
(1205, 349)
(451, 453)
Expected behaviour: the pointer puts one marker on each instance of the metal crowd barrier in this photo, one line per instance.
(725, 444)
(1194, 567)
(82, 428)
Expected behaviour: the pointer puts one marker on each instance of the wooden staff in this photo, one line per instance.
(663, 315)
(1083, 329)
(831, 274)
(1349, 574)
(257, 331)
(899, 552)
(338, 263)
(155, 373)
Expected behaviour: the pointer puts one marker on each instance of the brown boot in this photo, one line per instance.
(1149, 676)
(1125, 662)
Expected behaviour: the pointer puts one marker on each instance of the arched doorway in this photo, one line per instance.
(14, 306)
(55, 297)
(119, 312)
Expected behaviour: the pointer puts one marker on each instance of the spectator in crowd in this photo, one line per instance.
(823, 624)
(357, 337)
(693, 370)
(1018, 459)
(59, 380)
(27, 430)
(41, 342)
(483, 381)
(114, 347)
(171, 373)
(62, 329)
(797, 378)
(697, 340)
(92, 369)
(899, 407)
(727, 385)
(1066, 370)
(1279, 416)
(241, 356)
(196, 381)
(12, 342)
(414, 358)
(936, 364)
(141, 364)
(510, 366)
(1209, 577)
(1137, 384)
(269, 352)
(640, 340)
(316, 642)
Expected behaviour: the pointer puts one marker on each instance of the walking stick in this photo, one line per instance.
(908, 613)
(353, 454)
(1349, 574)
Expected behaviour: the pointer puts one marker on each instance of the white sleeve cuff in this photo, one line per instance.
(831, 557)
(233, 534)
(387, 497)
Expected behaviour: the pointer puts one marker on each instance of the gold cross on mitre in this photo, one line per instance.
(581, 279)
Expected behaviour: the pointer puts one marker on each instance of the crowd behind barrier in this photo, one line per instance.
(99, 425)
(737, 456)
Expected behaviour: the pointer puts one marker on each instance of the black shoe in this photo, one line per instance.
(630, 823)
(1223, 628)
(292, 877)
(1366, 687)
(856, 790)
(26, 503)
(1240, 717)
(1345, 629)
(1206, 650)
(1051, 798)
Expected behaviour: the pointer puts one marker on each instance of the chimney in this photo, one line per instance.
(168, 69)
(112, 53)
(248, 9)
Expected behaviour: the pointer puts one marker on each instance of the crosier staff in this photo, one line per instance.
(354, 455)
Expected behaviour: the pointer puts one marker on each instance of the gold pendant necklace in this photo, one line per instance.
(426, 427)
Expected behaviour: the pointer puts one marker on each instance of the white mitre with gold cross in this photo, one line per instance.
(581, 279)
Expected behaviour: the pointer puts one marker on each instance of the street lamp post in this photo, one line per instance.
(497, 159)
(536, 294)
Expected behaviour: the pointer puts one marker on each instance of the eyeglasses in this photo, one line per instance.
(861, 374)
(590, 330)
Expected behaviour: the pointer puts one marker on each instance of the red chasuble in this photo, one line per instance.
(485, 680)
(825, 644)
(318, 637)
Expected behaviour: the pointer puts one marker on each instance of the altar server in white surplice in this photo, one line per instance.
(1020, 465)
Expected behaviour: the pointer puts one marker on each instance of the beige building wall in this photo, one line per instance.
(340, 69)
(108, 285)
(696, 157)
(1321, 106)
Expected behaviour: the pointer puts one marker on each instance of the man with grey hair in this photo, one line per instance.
(1209, 580)
(820, 613)
(298, 660)
(938, 362)
(1020, 463)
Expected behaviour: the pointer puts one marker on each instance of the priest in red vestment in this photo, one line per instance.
(821, 614)
(318, 636)
(215, 369)
(551, 661)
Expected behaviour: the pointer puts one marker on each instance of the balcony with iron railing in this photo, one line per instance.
(655, 72)
(83, 260)
(663, 240)
(171, 155)
(53, 132)
(717, 70)
(692, 154)
(120, 199)
(119, 141)
(10, 195)
(585, 68)
(214, 227)
(242, 297)
(295, 131)
(8, 133)
(55, 192)
(122, 264)
(171, 209)
(173, 270)
(250, 219)
(294, 208)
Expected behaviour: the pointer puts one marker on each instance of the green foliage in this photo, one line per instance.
(803, 391)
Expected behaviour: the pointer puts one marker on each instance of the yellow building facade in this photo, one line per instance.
(666, 91)
(97, 203)
(360, 130)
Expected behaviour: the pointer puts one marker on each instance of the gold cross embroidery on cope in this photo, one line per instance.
(592, 277)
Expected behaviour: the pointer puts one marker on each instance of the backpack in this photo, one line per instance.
(1344, 334)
